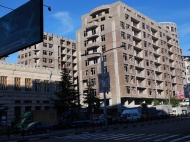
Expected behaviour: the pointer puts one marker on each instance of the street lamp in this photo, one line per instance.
(102, 71)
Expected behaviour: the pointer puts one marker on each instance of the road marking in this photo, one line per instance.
(121, 137)
(180, 138)
(166, 138)
(152, 137)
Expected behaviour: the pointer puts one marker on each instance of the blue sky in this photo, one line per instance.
(65, 17)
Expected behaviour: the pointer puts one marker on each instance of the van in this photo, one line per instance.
(177, 111)
(130, 115)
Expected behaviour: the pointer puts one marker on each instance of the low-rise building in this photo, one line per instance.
(26, 88)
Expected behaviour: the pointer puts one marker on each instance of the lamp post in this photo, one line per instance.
(50, 75)
(103, 76)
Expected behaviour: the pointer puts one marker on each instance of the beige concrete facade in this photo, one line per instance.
(187, 77)
(151, 66)
(54, 52)
(26, 88)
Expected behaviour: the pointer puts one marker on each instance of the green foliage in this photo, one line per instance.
(90, 98)
(174, 101)
(67, 97)
(166, 102)
(156, 102)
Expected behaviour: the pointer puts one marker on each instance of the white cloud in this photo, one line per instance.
(63, 23)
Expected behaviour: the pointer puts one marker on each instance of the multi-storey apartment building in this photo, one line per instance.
(150, 66)
(54, 52)
(25, 88)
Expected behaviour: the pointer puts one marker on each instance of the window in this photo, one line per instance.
(103, 38)
(17, 83)
(103, 48)
(46, 85)
(93, 31)
(93, 81)
(37, 85)
(128, 37)
(149, 82)
(44, 52)
(45, 37)
(125, 56)
(130, 47)
(85, 42)
(143, 25)
(50, 60)
(44, 60)
(93, 71)
(94, 50)
(124, 44)
(27, 84)
(147, 62)
(86, 62)
(95, 61)
(123, 35)
(3, 82)
(102, 27)
(146, 53)
(25, 63)
(29, 54)
(126, 16)
(85, 33)
(127, 78)
(145, 44)
(128, 89)
(50, 38)
(105, 69)
(44, 44)
(144, 34)
(122, 24)
(68, 42)
(50, 53)
(104, 58)
(25, 55)
(86, 72)
(125, 67)
(127, 26)
(50, 45)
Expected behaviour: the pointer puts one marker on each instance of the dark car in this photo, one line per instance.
(37, 127)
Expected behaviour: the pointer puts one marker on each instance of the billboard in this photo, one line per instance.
(21, 28)
(104, 82)
(179, 95)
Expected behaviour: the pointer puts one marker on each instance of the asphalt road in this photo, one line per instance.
(178, 131)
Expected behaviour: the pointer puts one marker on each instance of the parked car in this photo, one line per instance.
(99, 121)
(37, 127)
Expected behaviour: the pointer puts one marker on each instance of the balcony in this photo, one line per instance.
(92, 35)
(93, 55)
(92, 25)
(92, 45)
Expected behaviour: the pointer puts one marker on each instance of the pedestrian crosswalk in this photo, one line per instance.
(130, 137)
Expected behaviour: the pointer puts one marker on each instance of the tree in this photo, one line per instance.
(67, 97)
(156, 102)
(90, 98)
(174, 102)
